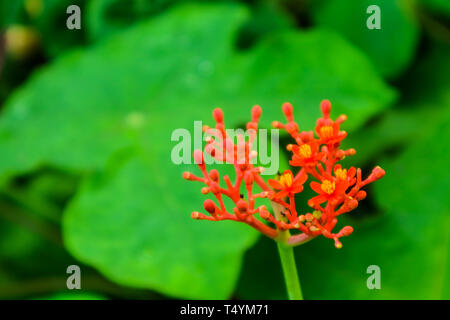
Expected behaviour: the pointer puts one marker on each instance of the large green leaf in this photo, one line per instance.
(391, 48)
(115, 106)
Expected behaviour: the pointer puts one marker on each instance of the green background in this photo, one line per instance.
(86, 118)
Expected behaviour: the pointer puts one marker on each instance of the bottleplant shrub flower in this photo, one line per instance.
(313, 156)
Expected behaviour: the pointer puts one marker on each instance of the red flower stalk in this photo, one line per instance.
(338, 189)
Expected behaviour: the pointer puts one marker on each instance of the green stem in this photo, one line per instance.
(287, 260)
(290, 271)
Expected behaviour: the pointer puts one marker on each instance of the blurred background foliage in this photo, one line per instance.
(85, 137)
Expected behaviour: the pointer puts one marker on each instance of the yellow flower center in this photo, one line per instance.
(341, 174)
(304, 151)
(326, 132)
(286, 180)
(328, 186)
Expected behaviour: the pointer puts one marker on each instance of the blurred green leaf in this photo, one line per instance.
(391, 48)
(106, 17)
(26, 252)
(9, 12)
(116, 105)
(421, 209)
(50, 19)
(425, 96)
(437, 6)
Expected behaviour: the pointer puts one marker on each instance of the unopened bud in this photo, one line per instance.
(209, 206)
(198, 156)
(352, 204)
(325, 105)
(288, 111)
(317, 214)
(218, 115)
(256, 113)
(214, 174)
(195, 215)
(187, 175)
(378, 172)
(346, 231)
(242, 205)
(205, 190)
(277, 125)
(340, 154)
(361, 195)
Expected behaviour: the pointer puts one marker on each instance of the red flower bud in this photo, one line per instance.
(242, 205)
(277, 125)
(187, 175)
(288, 111)
(214, 175)
(209, 206)
(205, 190)
(378, 172)
(361, 195)
(198, 157)
(256, 113)
(195, 215)
(325, 105)
(352, 204)
(218, 115)
(346, 231)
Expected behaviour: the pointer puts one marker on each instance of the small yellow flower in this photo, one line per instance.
(328, 186)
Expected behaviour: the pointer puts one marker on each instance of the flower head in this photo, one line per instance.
(338, 189)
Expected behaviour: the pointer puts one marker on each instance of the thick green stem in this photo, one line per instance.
(287, 260)
(290, 271)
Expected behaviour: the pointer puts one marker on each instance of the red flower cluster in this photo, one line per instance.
(338, 189)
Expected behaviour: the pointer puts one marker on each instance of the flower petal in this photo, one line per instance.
(275, 184)
(316, 187)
